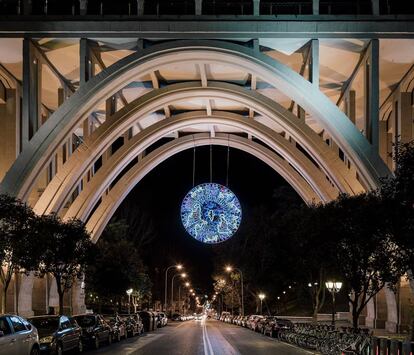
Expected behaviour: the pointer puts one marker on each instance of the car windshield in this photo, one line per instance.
(85, 321)
(47, 324)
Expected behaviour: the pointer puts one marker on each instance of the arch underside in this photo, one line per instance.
(281, 139)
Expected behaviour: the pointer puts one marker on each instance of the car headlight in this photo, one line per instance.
(45, 340)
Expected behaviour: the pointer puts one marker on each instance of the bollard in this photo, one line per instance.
(384, 346)
(396, 347)
(375, 346)
(408, 348)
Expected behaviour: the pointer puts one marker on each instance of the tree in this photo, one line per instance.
(18, 242)
(398, 195)
(310, 250)
(141, 289)
(368, 258)
(118, 265)
(67, 250)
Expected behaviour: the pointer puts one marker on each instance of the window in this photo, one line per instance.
(26, 323)
(64, 322)
(17, 324)
(4, 326)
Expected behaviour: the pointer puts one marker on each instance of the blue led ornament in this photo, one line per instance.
(211, 213)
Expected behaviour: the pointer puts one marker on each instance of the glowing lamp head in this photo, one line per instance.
(229, 268)
(333, 286)
(262, 296)
(129, 291)
(179, 267)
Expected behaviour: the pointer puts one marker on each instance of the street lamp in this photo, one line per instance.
(333, 287)
(261, 297)
(187, 284)
(178, 267)
(230, 269)
(183, 275)
(129, 293)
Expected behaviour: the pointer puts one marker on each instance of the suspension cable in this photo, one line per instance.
(228, 160)
(211, 163)
(194, 162)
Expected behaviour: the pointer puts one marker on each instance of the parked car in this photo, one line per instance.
(137, 318)
(176, 317)
(118, 327)
(275, 324)
(57, 334)
(95, 330)
(164, 319)
(132, 327)
(146, 320)
(18, 336)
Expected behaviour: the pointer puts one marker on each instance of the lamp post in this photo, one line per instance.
(129, 293)
(178, 267)
(261, 297)
(183, 275)
(333, 287)
(230, 269)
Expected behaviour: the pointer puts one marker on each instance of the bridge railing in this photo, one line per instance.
(200, 7)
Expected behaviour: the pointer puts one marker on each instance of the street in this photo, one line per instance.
(193, 337)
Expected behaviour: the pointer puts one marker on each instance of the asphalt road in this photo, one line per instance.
(200, 338)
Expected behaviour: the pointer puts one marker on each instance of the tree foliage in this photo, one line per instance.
(118, 266)
(67, 250)
(19, 247)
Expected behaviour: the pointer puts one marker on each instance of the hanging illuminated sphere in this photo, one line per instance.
(211, 213)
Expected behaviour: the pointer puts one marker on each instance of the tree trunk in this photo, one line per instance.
(61, 293)
(5, 280)
(3, 299)
(61, 303)
(412, 330)
(355, 316)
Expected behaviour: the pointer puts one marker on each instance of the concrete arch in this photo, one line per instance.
(86, 200)
(56, 194)
(116, 195)
(19, 179)
(64, 182)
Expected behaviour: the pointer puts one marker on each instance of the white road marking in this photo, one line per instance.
(208, 349)
(225, 347)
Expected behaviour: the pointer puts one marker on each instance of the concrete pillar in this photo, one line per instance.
(315, 7)
(371, 86)
(87, 127)
(53, 294)
(198, 7)
(83, 7)
(31, 107)
(9, 130)
(301, 112)
(256, 7)
(375, 7)
(140, 7)
(351, 109)
(110, 106)
(383, 140)
(78, 297)
(26, 295)
(404, 117)
(27, 7)
(370, 317)
(314, 63)
(86, 67)
(392, 311)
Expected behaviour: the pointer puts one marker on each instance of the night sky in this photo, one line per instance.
(161, 192)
